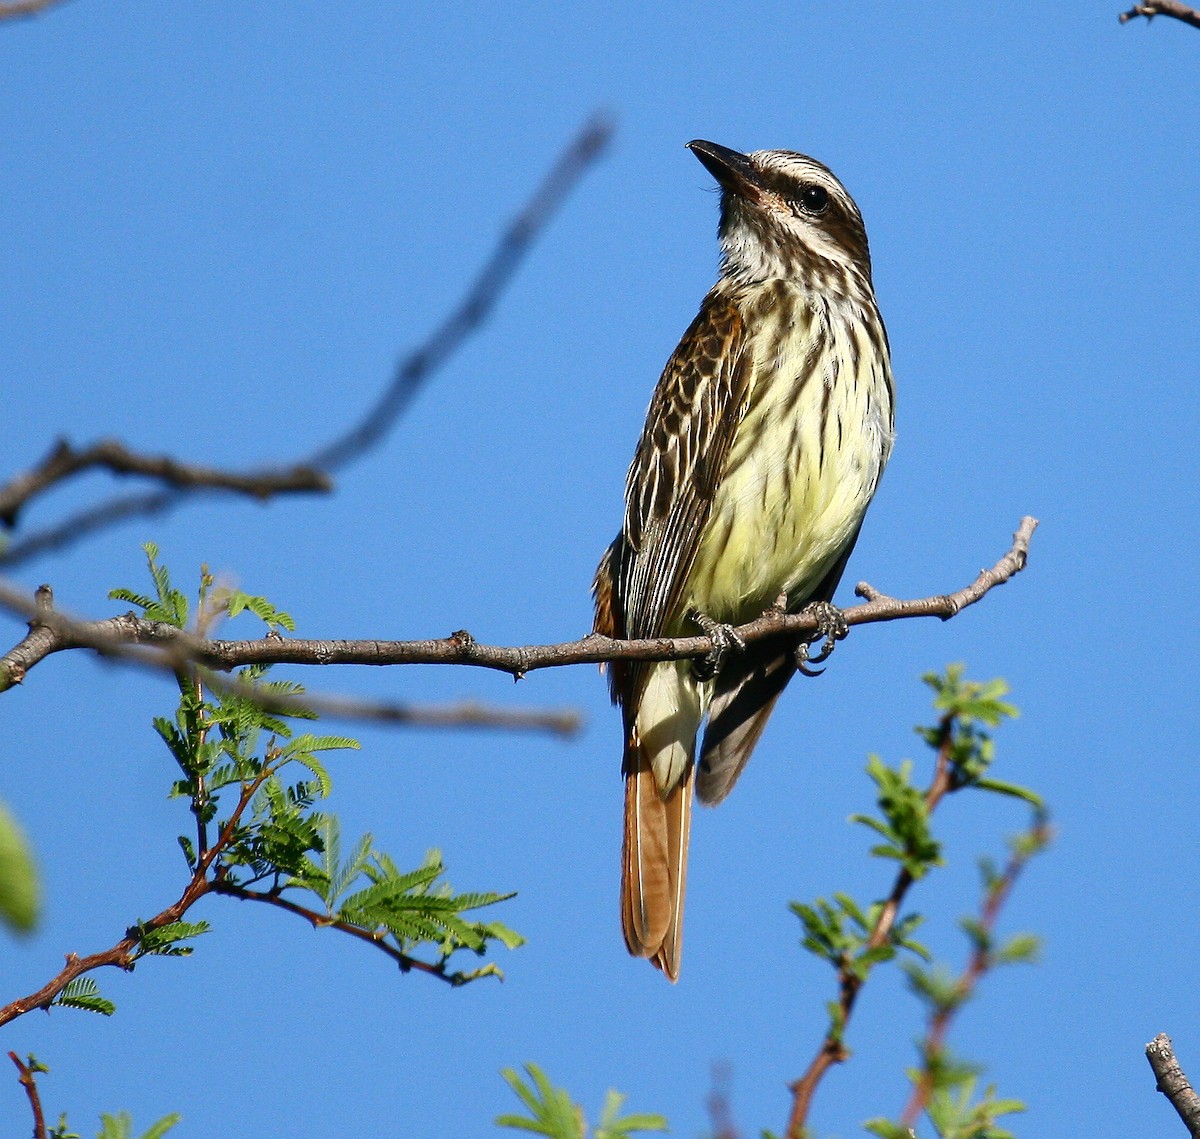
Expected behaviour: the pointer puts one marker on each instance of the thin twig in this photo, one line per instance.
(210, 876)
(320, 921)
(477, 305)
(29, 1083)
(565, 722)
(65, 460)
(185, 481)
(1170, 8)
(981, 962)
(121, 955)
(832, 1050)
(15, 9)
(720, 1112)
(1172, 1082)
(158, 645)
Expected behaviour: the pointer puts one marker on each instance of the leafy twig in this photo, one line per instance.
(947, 1000)
(28, 1070)
(853, 938)
(272, 834)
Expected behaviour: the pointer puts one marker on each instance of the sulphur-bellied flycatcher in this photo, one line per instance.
(764, 443)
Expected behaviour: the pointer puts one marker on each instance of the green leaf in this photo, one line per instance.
(509, 938)
(120, 1126)
(20, 893)
(615, 1126)
(886, 1129)
(1011, 789)
(551, 1111)
(1020, 949)
(164, 940)
(237, 602)
(83, 993)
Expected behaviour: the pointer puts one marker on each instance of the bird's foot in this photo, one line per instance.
(725, 640)
(831, 628)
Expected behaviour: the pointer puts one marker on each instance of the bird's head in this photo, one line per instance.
(785, 215)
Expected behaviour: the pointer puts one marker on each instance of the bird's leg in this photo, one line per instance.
(831, 627)
(725, 639)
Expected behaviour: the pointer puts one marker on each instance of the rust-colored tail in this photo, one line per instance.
(654, 861)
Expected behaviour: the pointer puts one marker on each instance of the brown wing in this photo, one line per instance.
(694, 413)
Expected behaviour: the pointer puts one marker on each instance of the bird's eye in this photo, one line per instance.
(814, 199)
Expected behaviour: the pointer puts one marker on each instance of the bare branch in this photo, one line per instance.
(477, 305)
(16, 9)
(1170, 8)
(565, 722)
(64, 461)
(154, 643)
(1172, 1082)
(76, 527)
(184, 480)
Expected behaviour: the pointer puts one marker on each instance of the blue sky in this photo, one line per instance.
(225, 223)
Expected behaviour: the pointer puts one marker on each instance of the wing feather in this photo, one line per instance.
(694, 414)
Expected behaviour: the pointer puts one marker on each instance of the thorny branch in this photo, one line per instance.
(1171, 1081)
(183, 480)
(155, 644)
(1170, 8)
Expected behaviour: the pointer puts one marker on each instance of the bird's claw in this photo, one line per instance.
(725, 639)
(831, 628)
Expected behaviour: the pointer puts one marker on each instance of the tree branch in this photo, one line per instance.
(120, 955)
(320, 921)
(480, 300)
(1170, 8)
(29, 1083)
(1172, 1082)
(184, 480)
(130, 637)
(65, 461)
(16, 9)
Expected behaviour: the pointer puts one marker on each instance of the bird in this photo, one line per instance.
(764, 443)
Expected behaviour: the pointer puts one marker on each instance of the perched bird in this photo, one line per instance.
(763, 445)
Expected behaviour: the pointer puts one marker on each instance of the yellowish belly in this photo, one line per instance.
(799, 479)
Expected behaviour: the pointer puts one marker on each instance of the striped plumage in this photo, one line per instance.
(763, 445)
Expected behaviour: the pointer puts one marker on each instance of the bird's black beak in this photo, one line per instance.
(731, 168)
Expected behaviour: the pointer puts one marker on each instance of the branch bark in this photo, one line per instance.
(16, 9)
(1172, 1082)
(1170, 8)
(154, 644)
(64, 461)
(28, 1081)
